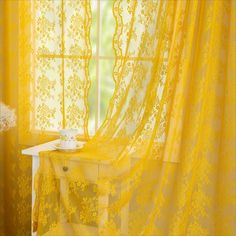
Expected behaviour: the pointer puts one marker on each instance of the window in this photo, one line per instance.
(60, 56)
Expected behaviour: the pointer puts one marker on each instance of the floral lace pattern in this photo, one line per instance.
(61, 46)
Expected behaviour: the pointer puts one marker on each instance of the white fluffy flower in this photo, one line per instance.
(7, 117)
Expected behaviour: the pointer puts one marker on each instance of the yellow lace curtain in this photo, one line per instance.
(15, 170)
(163, 162)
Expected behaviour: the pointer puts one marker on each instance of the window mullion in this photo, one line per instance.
(97, 119)
(63, 64)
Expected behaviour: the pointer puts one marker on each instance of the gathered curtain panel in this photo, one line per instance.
(168, 140)
(15, 169)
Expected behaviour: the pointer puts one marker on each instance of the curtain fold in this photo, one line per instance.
(1, 136)
(16, 169)
(166, 151)
(15, 178)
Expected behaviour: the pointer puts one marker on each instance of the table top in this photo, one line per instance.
(49, 146)
(34, 151)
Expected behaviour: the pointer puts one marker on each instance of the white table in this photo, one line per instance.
(92, 169)
(34, 153)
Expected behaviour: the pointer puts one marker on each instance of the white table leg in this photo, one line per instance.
(35, 166)
(124, 215)
(64, 198)
(103, 202)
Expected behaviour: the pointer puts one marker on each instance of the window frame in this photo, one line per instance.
(97, 57)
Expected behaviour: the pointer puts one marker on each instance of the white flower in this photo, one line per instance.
(7, 117)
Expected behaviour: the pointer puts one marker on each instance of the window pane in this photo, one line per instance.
(93, 30)
(74, 92)
(74, 30)
(106, 86)
(47, 94)
(47, 27)
(107, 28)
